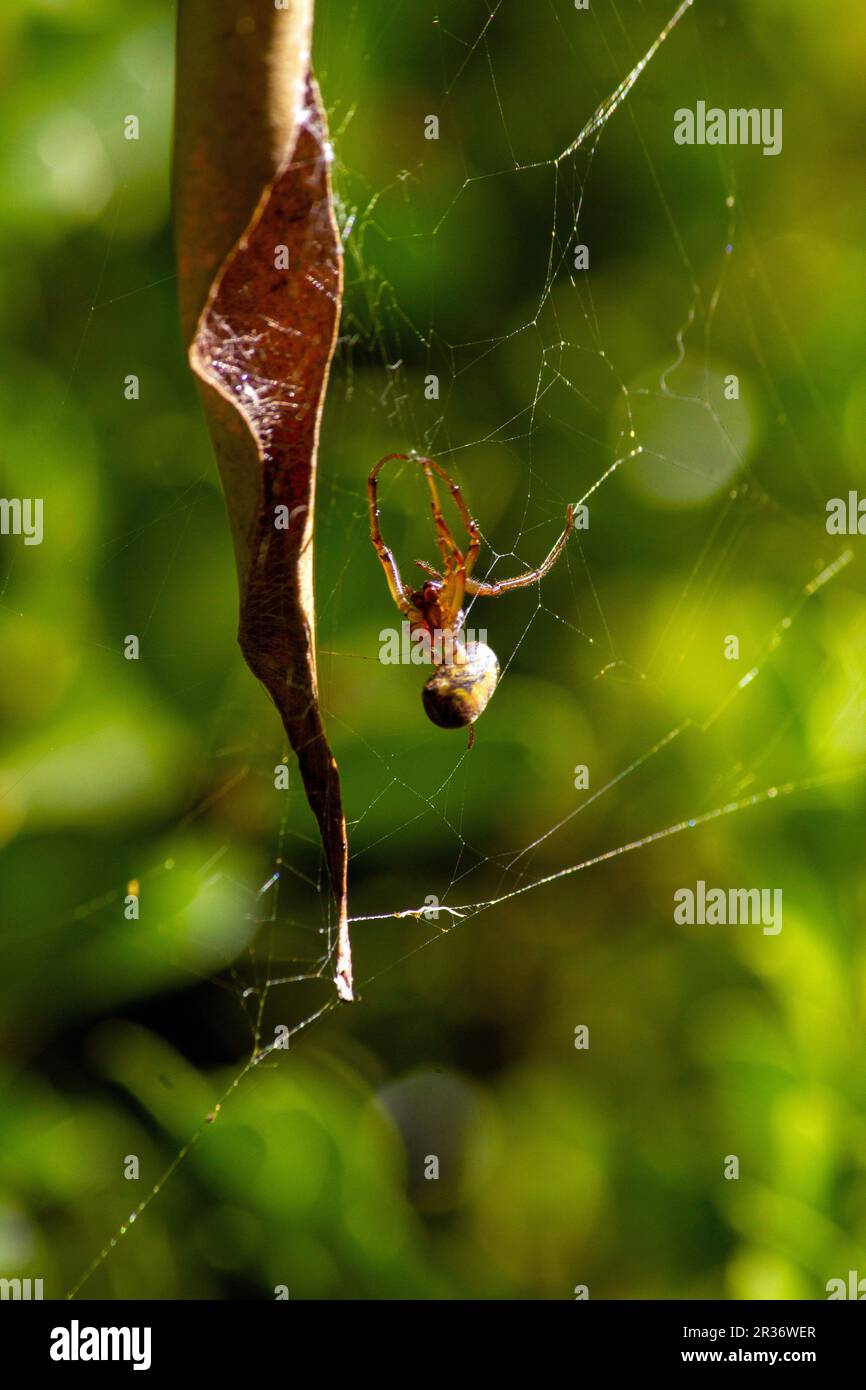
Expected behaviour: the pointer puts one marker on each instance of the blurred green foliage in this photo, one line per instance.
(557, 1167)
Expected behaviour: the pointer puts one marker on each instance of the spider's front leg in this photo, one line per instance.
(523, 581)
(398, 590)
(428, 569)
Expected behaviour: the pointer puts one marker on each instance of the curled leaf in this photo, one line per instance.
(261, 314)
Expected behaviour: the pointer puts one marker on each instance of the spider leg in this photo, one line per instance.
(430, 467)
(444, 539)
(428, 569)
(456, 566)
(389, 564)
(523, 581)
(454, 588)
(451, 598)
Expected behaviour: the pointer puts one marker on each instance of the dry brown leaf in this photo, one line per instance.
(260, 275)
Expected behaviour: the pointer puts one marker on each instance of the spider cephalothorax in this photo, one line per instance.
(427, 602)
(466, 672)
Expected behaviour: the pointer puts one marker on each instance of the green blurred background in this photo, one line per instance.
(558, 1167)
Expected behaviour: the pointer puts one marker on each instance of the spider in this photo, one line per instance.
(466, 674)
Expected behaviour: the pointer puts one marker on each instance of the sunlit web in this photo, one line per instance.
(572, 369)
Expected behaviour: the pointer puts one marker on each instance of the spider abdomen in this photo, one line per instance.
(459, 690)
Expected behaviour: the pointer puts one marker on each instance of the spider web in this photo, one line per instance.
(561, 395)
